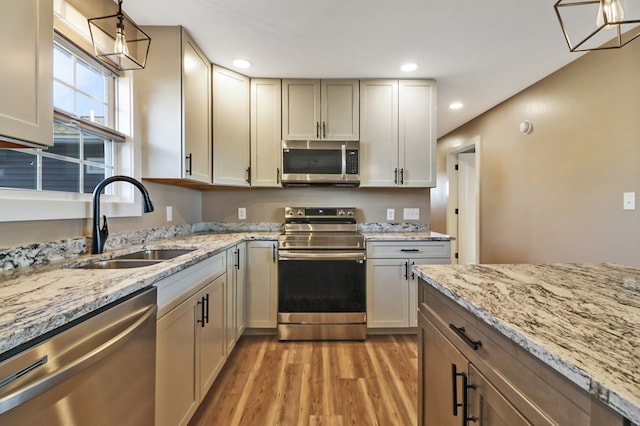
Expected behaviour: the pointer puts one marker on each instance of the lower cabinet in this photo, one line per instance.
(190, 348)
(262, 284)
(235, 295)
(470, 374)
(392, 286)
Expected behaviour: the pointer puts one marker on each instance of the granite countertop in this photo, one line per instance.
(583, 320)
(37, 299)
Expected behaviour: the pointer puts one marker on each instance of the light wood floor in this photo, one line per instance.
(266, 382)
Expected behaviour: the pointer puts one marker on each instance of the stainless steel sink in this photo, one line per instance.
(120, 264)
(155, 254)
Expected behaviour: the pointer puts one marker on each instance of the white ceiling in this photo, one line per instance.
(480, 52)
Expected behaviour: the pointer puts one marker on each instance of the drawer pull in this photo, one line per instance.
(460, 331)
(410, 250)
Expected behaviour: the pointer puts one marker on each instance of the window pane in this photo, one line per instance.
(90, 81)
(66, 140)
(63, 97)
(62, 65)
(58, 175)
(95, 147)
(92, 176)
(18, 169)
(89, 109)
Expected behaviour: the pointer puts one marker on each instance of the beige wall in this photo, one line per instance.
(556, 195)
(266, 205)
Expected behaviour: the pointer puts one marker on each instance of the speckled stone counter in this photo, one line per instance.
(37, 299)
(583, 320)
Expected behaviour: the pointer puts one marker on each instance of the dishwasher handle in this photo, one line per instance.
(30, 391)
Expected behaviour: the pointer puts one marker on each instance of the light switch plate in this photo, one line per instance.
(391, 214)
(629, 200)
(411, 214)
(242, 213)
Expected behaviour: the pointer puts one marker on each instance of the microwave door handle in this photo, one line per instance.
(344, 161)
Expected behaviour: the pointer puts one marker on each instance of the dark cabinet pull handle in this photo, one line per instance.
(410, 250)
(406, 270)
(324, 130)
(273, 252)
(402, 176)
(249, 175)
(395, 176)
(237, 254)
(317, 130)
(465, 401)
(460, 331)
(202, 312)
(413, 274)
(206, 302)
(189, 169)
(278, 175)
(454, 385)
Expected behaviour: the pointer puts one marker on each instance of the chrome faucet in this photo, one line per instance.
(99, 236)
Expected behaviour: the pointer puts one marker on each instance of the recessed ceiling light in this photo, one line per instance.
(409, 67)
(241, 63)
(456, 105)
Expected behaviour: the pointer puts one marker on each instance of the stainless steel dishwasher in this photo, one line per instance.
(100, 371)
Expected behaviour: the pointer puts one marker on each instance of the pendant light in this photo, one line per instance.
(598, 24)
(119, 42)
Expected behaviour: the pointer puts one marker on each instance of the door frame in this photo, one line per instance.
(469, 145)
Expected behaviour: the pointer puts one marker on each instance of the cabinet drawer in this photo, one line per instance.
(176, 288)
(508, 366)
(417, 249)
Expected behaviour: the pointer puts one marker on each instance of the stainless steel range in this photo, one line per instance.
(321, 275)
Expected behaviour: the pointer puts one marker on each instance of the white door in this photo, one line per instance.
(467, 208)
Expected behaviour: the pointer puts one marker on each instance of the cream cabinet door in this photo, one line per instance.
(340, 106)
(26, 79)
(262, 302)
(211, 332)
(177, 395)
(387, 293)
(231, 159)
(300, 109)
(196, 104)
(417, 133)
(378, 133)
(266, 132)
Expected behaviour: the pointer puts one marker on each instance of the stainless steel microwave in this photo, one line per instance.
(308, 163)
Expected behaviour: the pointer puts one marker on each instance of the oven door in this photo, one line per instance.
(321, 294)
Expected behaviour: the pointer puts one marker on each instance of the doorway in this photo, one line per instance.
(463, 202)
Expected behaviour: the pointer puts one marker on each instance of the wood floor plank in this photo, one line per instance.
(267, 382)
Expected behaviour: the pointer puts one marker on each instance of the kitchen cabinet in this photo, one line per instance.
(190, 338)
(266, 132)
(26, 86)
(231, 159)
(398, 133)
(262, 284)
(392, 286)
(174, 93)
(464, 363)
(320, 109)
(235, 295)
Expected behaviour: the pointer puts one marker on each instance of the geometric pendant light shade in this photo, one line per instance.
(119, 42)
(598, 24)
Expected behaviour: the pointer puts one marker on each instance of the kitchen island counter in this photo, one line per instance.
(582, 320)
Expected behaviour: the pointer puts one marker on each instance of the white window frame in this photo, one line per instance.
(32, 205)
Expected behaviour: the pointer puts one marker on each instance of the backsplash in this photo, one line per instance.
(39, 253)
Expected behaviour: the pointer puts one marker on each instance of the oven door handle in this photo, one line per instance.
(321, 255)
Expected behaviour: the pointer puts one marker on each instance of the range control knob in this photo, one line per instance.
(350, 212)
(341, 213)
(300, 212)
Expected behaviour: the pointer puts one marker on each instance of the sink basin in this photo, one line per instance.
(155, 254)
(121, 264)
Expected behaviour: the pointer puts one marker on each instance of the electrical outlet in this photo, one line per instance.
(242, 213)
(169, 213)
(411, 214)
(629, 200)
(391, 214)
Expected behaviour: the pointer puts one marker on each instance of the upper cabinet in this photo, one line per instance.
(26, 79)
(320, 109)
(231, 160)
(398, 133)
(174, 94)
(265, 132)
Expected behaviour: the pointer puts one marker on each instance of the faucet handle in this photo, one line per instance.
(104, 230)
